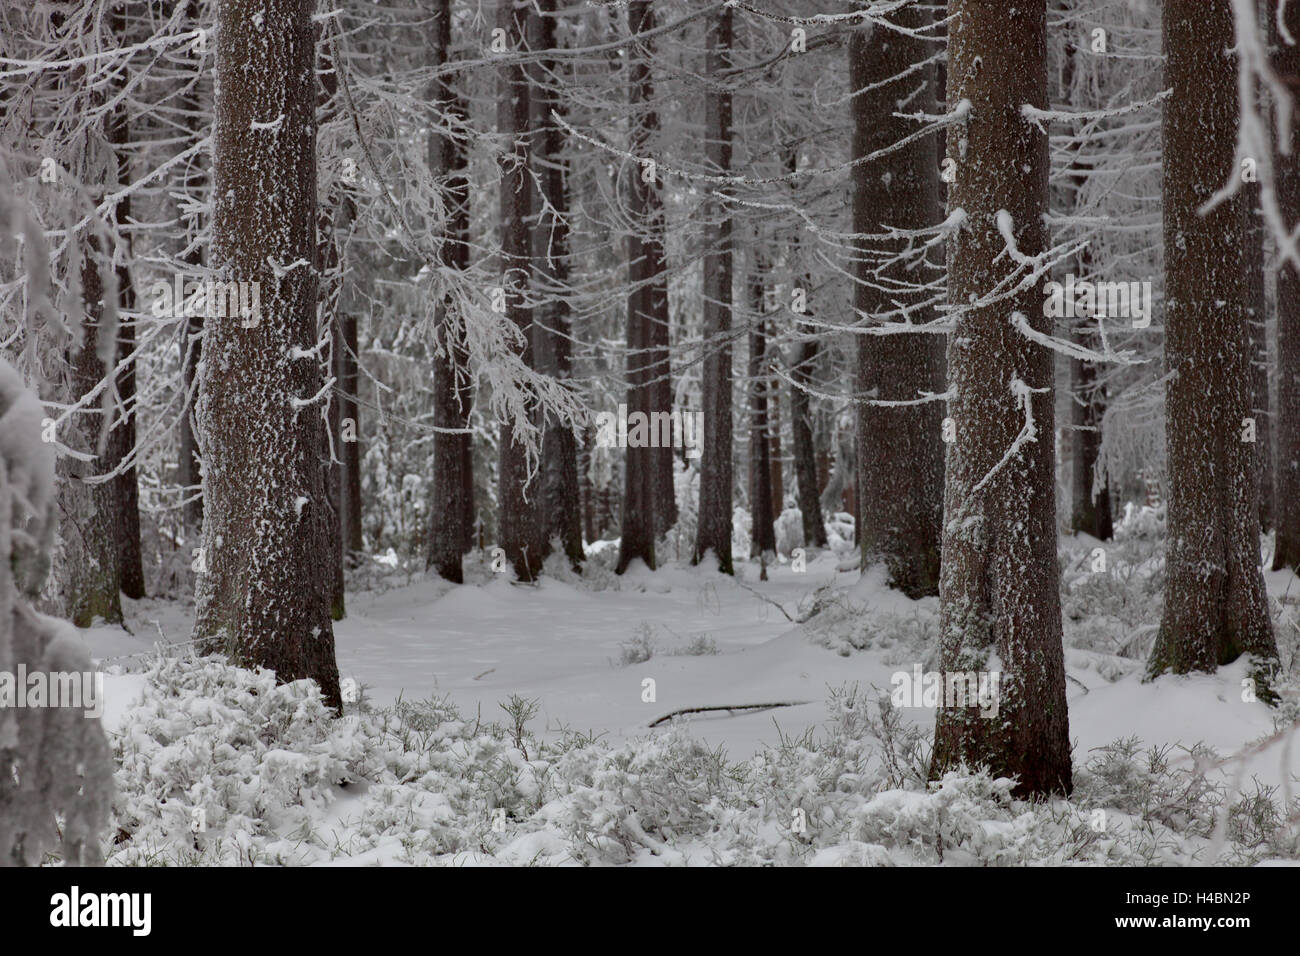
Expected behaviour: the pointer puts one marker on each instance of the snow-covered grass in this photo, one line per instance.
(507, 724)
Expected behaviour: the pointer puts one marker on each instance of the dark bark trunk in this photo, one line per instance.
(900, 449)
(714, 533)
(265, 597)
(121, 442)
(452, 521)
(1215, 604)
(803, 373)
(521, 527)
(349, 380)
(1089, 512)
(1257, 317)
(644, 264)
(560, 497)
(1286, 495)
(91, 549)
(762, 533)
(998, 594)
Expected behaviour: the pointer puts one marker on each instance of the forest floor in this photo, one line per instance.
(707, 640)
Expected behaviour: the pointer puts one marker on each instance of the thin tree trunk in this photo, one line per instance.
(265, 597)
(998, 594)
(1215, 605)
(900, 449)
(121, 440)
(714, 533)
(803, 375)
(762, 533)
(349, 381)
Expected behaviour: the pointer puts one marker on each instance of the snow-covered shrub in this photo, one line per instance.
(643, 795)
(277, 781)
(216, 761)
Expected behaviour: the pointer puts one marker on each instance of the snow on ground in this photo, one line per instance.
(563, 646)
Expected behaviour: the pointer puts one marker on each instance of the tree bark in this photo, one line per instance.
(1215, 604)
(265, 597)
(802, 372)
(762, 532)
(998, 594)
(644, 265)
(122, 439)
(91, 553)
(714, 532)
(1286, 554)
(561, 499)
(900, 449)
(350, 380)
(521, 526)
(452, 512)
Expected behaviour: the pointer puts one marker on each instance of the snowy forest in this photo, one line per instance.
(650, 432)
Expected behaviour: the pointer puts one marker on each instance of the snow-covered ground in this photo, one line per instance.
(576, 652)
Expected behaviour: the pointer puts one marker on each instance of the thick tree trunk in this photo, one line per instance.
(521, 524)
(999, 600)
(644, 265)
(265, 597)
(714, 533)
(560, 497)
(1215, 605)
(1257, 320)
(1286, 496)
(900, 448)
(452, 518)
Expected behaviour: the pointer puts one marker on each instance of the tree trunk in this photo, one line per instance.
(452, 512)
(762, 533)
(350, 381)
(1089, 513)
(715, 467)
(1215, 605)
(521, 527)
(900, 449)
(802, 373)
(998, 594)
(560, 497)
(91, 549)
(265, 597)
(1257, 318)
(122, 439)
(644, 264)
(1286, 496)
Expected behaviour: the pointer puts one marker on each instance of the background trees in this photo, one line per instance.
(516, 217)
